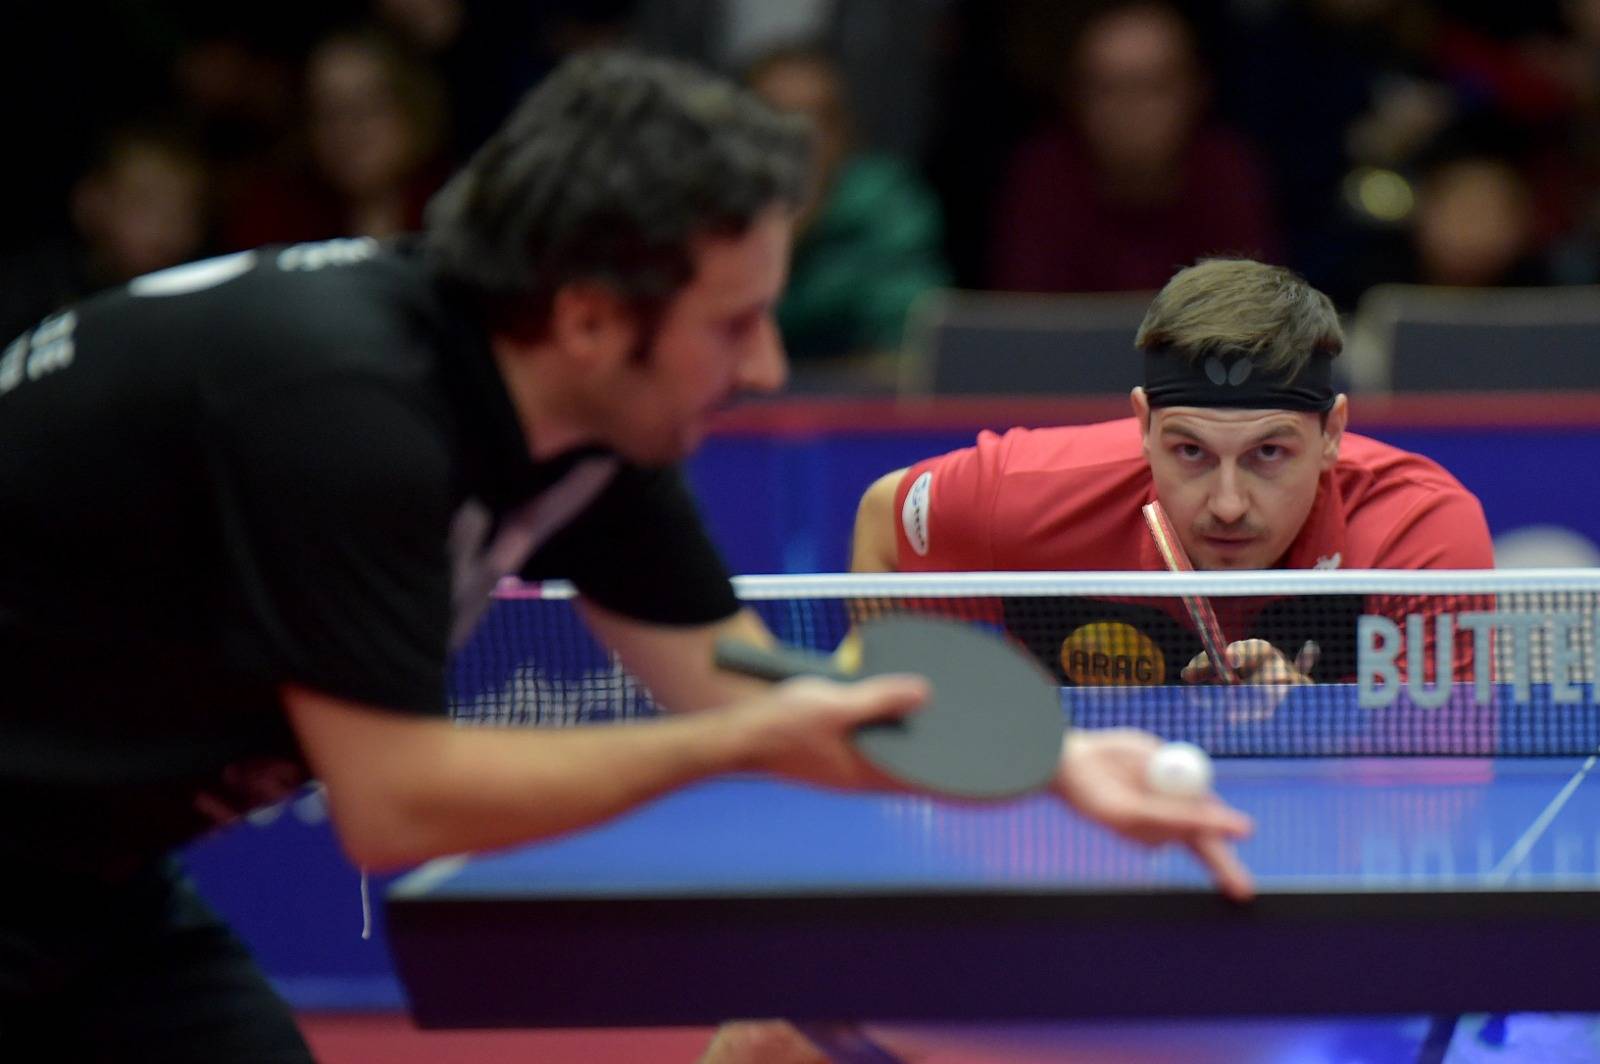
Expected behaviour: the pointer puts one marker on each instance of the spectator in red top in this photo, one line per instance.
(1136, 181)
(374, 126)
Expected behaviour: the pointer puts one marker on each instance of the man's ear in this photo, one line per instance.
(1333, 430)
(1141, 412)
(1141, 409)
(592, 325)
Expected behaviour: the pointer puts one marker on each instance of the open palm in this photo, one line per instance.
(1103, 776)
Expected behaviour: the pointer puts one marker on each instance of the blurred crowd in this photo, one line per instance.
(1029, 145)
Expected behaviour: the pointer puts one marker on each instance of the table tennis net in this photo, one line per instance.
(1400, 663)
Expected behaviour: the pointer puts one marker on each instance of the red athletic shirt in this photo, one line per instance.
(1068, 498)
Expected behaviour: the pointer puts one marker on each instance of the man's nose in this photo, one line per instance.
(766, 367)
(1228, 502)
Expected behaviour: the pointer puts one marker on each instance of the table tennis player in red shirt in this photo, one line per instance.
(1238, 432)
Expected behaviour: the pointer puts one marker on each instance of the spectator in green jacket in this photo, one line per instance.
(869, 240)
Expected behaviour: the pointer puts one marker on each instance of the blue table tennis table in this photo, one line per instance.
(1388, 885)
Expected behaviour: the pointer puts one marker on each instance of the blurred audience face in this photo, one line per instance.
(1474, 222)
(1136, 89)
(812, 86)
(239, 98)
(367, 138)
(144, 209)
(429, 24)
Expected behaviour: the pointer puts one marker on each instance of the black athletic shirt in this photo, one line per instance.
(293, 464)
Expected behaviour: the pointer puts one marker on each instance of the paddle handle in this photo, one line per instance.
(771, 663)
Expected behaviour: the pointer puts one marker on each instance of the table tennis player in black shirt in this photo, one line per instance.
(251, 503)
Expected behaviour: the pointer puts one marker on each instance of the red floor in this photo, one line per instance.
(364, 1039)
(1524, 1039)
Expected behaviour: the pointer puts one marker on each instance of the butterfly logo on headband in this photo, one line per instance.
(1234, 375)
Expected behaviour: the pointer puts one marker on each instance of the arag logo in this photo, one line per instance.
(1111, 654)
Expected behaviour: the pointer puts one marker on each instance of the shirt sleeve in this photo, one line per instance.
(1445, 529)
(334, 504)
(641, 550)
(944, 508)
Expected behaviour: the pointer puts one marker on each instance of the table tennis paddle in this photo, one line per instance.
(993, 724)
(1199, 607)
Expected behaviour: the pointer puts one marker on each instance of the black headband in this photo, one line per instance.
(1233, 379)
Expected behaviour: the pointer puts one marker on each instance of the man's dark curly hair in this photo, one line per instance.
(606, 172)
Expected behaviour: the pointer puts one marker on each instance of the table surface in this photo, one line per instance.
(1387, 885)
(1357, 825)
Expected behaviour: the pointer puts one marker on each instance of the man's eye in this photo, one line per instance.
(1272, 452)
(1189, 452)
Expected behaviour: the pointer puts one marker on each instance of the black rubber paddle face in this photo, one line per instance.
(994, 725)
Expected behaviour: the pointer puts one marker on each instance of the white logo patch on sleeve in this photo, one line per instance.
(193, 276)
(914, 513)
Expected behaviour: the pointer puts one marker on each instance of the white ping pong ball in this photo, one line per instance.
(1181, 770)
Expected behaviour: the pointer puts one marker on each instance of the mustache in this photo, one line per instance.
(1242, 530)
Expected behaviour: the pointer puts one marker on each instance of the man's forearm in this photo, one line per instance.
(437, 788)
(490, 789)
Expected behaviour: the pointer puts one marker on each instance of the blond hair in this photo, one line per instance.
(1268, 312)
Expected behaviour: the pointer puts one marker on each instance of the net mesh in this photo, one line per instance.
(1423, 663)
